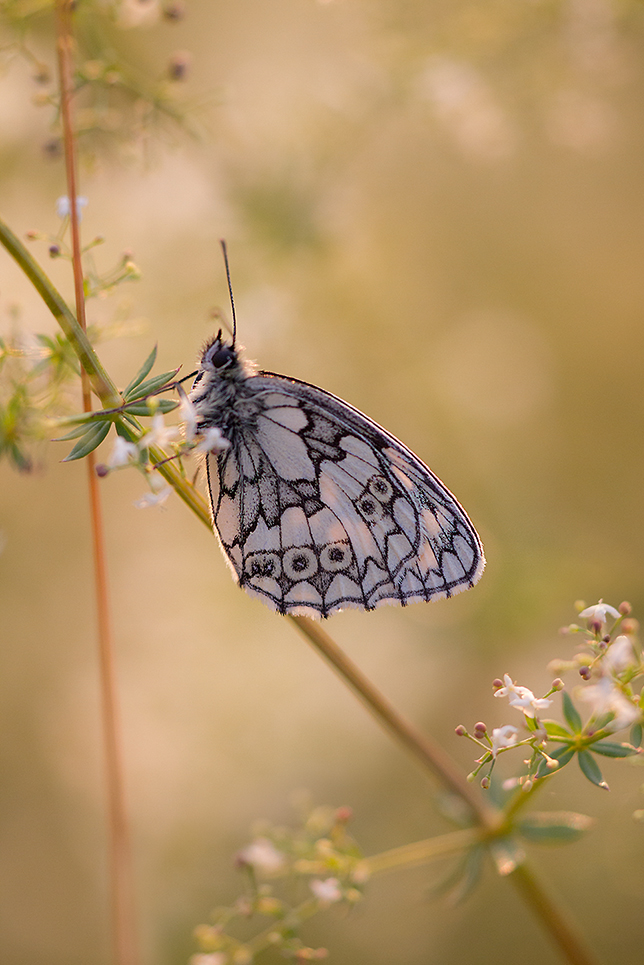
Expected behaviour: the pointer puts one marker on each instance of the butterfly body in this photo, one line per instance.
(317, 507)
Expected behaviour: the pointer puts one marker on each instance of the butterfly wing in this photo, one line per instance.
(318, 509)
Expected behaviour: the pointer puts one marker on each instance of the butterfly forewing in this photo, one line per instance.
(319, 509)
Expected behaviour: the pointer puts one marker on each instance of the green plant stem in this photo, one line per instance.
(569, 940)
(422, 852)
(100, 380)
(296, 916)
(422, 748)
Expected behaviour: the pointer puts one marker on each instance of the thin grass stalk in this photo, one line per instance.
(120, 853)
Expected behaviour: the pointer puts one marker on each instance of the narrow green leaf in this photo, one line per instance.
(77, 431)
(570, 713)
(611, 749)
(470, 877)
(143, 371)
(563, 754)
(590, 769)
(132, 421)
(635, 735)
(461, 878)
(142, 408)
(603, 720)
(554, 827)
(555, 729)
(150, 386)
(89, 441)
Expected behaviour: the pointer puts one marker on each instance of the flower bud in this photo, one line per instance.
(343, 815)
(179, 66)
(174, 11)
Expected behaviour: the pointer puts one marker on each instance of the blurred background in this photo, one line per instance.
(434, 211)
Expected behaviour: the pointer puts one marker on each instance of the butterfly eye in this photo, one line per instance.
(263, 564)
(223, 356)
(370, 509)
(335, 556)
(300, 563)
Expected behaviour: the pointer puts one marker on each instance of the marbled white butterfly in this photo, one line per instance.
(316, 506)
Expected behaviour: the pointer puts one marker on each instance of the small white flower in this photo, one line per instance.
(521, 698)
(620, 655)
(209, 958)
(503, 737)
(188, 415)
(122, 453)
(153, 499)
(326, 891)
(605, 698)
(212, 441)
(262, 855)
(64, 208)
(159, 434)
(598, 612)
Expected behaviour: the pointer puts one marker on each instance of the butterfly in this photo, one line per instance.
(317, 507)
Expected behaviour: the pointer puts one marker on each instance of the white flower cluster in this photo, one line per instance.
(521, 698)
(126, 453)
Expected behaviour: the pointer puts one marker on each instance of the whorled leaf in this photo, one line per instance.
(611, 749)
(571, 714)
(590, 769)
(144, 409)
(554, 827)
(150, 386)
(89, 441)
(554, 729)
(142, 373)
(563, 755)
(462, 878)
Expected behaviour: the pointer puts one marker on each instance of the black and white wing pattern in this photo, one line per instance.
(317, 507)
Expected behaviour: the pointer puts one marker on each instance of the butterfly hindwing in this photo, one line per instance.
(319, 509)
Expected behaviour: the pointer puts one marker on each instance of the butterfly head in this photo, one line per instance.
(219, 356)
(220, 370)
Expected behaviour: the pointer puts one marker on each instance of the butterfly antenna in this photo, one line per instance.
(230, 289)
